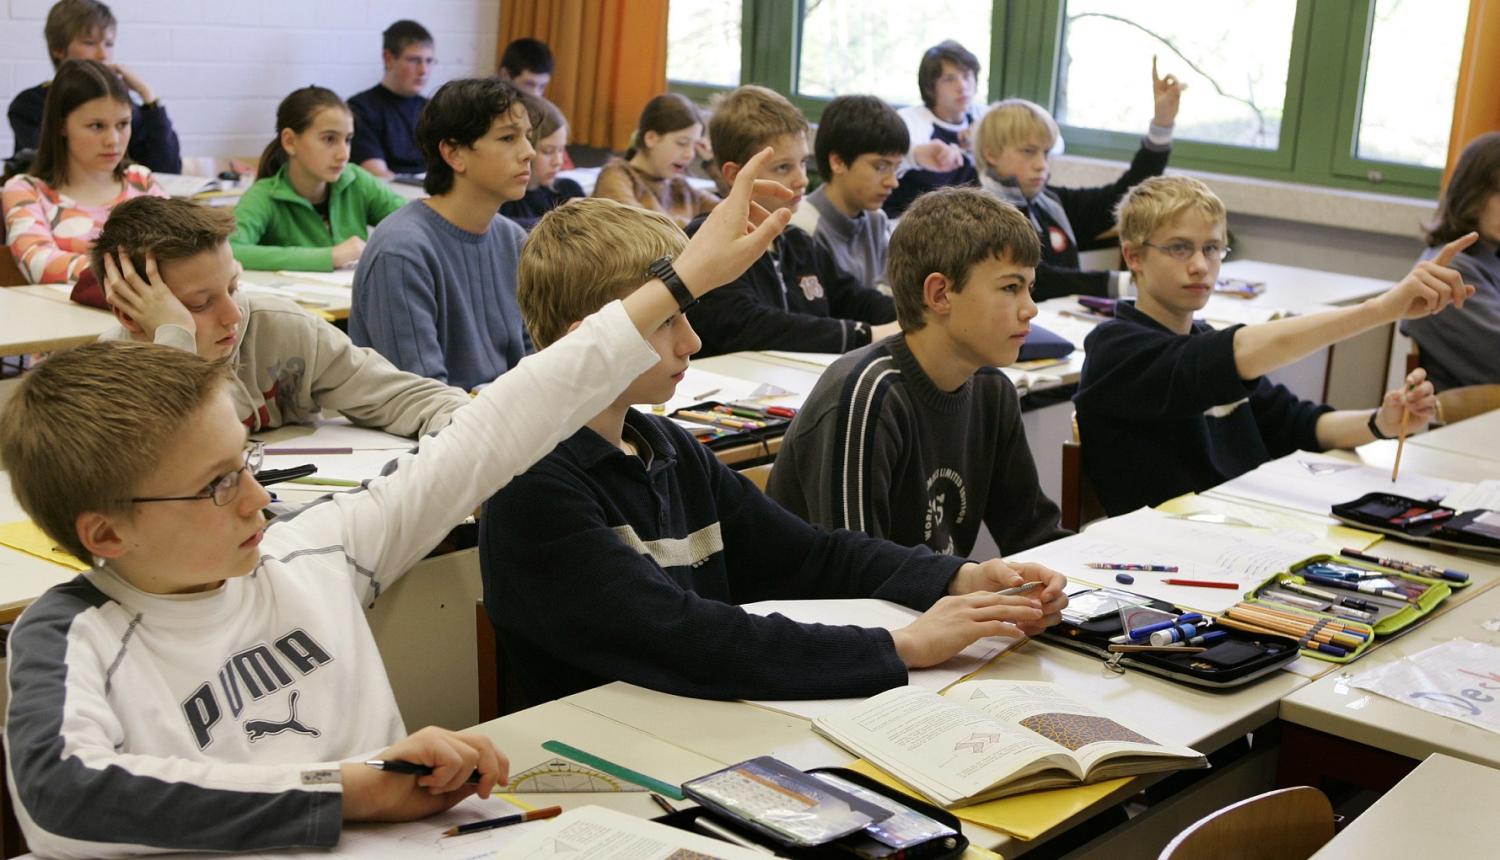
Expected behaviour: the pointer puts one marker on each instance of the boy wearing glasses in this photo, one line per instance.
(1168, 405)
(860, 143)
(171, 278)
(219, 666)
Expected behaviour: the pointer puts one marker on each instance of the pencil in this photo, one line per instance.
(309, 450)
(504, 821)
(662, 802)
(1400, 440)
(1202, 583)
(325, 482)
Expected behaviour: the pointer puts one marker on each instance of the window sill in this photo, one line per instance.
(1287, 201)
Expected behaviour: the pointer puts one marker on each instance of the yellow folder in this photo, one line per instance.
(27, 538)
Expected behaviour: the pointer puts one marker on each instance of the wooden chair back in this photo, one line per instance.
(10, 272)
(1287, 824)
(758, 475)
(1456, 404)
(1080, 504)
(1413, 358)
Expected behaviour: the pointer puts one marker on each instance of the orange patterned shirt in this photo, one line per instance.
(50, 234)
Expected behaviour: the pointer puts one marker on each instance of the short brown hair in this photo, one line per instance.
(87, 425)
(747, 120)
(168, 227)
(1159, 200)
(931, 67)
(1474, 179)
(69, 19)
(583, 255)
(949, 231)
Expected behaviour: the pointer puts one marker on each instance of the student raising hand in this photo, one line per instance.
(1430, 286)
(143, 304)
(377, 795)
(1167, 93)
(736, 233)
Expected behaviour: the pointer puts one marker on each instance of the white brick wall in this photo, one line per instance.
(221, 66)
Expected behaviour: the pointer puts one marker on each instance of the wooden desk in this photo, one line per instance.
(1444, 808)
(41, 319)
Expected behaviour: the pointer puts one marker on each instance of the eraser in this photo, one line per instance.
(1124, 578)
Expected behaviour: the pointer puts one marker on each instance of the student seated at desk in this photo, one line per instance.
(796, 297)
(940, 127)
(1168, 405)
(1459, 349)
(311, 209)
(1014, 145)
(653, 173)
(527, 64)
(53, 213)
(546, 190)
(85, 30)
(918, 438)
(219, 666)
(171, 279)
(623, 555)
(435, 291)
(860, 142)
(385, 115)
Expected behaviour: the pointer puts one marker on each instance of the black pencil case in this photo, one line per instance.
(948, 847)
(718, 437)
(1423, 522)
(1238, 659)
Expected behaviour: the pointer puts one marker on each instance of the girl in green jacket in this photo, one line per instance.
(311, 209)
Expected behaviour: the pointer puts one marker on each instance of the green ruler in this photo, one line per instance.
(613, 769)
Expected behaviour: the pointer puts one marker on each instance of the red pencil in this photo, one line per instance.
(1202, 583)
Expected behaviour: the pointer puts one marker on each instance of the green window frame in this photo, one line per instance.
(1320, 120)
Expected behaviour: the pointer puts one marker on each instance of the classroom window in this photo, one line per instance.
(1235, 95)
(874, 46)
(703, 42)
(1406, 104)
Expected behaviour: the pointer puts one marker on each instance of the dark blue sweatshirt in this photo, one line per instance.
(599, 566)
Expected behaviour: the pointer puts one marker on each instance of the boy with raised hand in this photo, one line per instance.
(940, 127)
(918, 438)
(85, 30)
(166, 678)
(172, 279)
(385, 115)
(860, 143)
(1168, 405)
(435, 291)
(1013, 145)
(652, 543)
(795, 297)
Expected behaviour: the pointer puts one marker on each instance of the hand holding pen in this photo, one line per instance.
(452, 758)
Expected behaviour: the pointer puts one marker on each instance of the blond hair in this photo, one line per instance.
(1013, 123)
(88, 425)
(168, 227)
(1160, 200)
(747, 120)
(948, 231)
(584, 255)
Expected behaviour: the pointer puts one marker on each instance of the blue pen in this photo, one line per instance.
(1143, 632)
(1208, 638)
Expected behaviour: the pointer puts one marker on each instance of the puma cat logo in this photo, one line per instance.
(258, 729)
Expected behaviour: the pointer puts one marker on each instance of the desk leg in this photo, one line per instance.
(1310, 757)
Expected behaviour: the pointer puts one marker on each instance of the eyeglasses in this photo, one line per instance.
(1212, 252)
(223, 488)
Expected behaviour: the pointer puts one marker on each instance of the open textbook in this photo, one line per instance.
(986, 739)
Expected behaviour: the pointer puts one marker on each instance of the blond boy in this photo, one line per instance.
(204, 685)
(1013, 147)
(795, 297)
(1169, 405)
(652, 543)
(172, 279)
(917, 438)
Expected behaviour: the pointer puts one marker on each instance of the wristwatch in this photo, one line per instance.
(1375, 428)
(662, 268)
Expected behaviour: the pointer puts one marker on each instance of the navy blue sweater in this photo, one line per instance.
(1162, 414)
(600, 567)
(153, 141)
(385, 127)
(795, 297)
(539, 201)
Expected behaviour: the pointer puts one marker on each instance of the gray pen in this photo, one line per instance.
(1020, 589)
(719, 831)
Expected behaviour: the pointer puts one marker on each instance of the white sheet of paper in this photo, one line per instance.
(597, 833)
(1485, 494)
(1458, 679)
(1316, 482)
(699, 385)
(868, 612)
(337, 278)
(338, 433)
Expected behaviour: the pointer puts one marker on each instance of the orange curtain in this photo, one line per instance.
(1476, 105)
(611, 60)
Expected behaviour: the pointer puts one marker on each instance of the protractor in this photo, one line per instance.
(558, 775)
